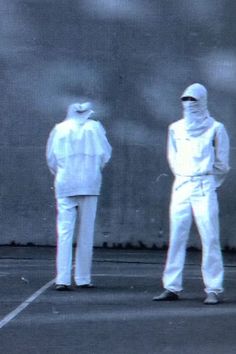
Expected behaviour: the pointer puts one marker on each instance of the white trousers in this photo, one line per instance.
(67, 210)
(194, 197)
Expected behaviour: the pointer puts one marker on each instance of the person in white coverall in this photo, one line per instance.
(198, 154)
(77, 151)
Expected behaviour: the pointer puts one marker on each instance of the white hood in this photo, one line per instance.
(196, 115)
(80, 111)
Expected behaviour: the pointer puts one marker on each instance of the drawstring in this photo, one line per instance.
(203, 193)
(191, 179)
(176, 188)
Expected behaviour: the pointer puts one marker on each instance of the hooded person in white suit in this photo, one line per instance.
(198, 155)
(77, 151)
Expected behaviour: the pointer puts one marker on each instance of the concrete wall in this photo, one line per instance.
(133, 59)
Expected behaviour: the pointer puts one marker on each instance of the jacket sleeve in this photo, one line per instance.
(50, 156)
(221, 165)
(106, 147)
(171, 150)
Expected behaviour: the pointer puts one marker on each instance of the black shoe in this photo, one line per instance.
(85, 286)
(166, 296)
(62, 287)
(212, 299)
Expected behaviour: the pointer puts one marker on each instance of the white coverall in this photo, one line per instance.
(198, 152)
(77, 151)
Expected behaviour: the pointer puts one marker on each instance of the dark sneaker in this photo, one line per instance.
(212, 299)
(62, 287)
(166, 296)
(85, 286)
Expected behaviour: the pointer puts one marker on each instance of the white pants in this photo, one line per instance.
(194, 197)
(66, 217)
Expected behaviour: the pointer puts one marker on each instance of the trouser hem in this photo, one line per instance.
(82, 281)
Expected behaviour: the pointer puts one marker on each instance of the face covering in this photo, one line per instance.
(196, 115)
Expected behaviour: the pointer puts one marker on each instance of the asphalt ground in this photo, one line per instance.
(116, 317)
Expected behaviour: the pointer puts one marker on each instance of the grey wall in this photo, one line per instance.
(133, 59)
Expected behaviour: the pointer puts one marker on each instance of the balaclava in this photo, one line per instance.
(196, 115)
(80, 111)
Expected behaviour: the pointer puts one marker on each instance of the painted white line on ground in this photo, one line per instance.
(24, 304)
(122, 275)
(136, 276)
(3, 274)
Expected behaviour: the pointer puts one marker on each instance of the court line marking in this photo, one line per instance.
(9, 317)
(152, 276)
(25, 304)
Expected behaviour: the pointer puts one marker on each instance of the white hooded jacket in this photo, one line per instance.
(198, 145)
(77, 151)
